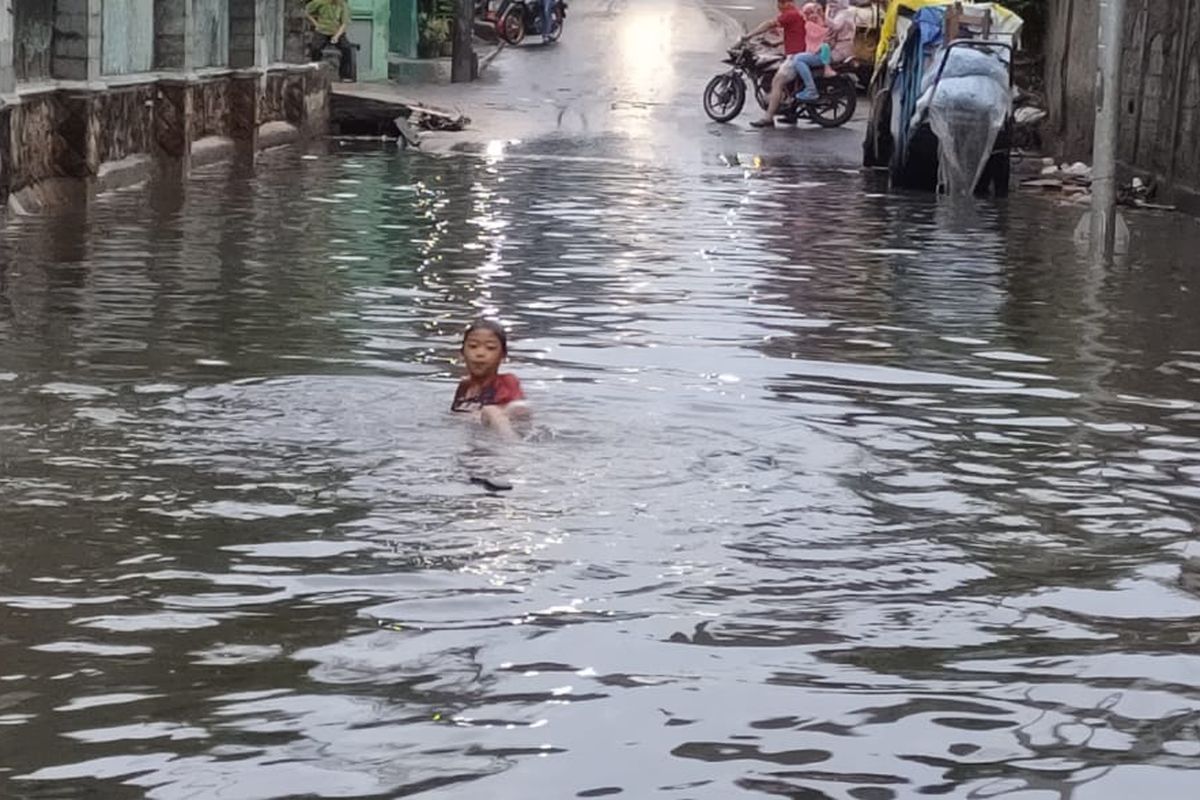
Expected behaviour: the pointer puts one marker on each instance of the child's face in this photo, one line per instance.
(483, 353)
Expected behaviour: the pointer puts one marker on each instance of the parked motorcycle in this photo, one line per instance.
(725, 95)
(516, 19)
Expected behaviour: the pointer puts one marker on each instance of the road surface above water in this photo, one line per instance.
(832, 493)
(632, 72)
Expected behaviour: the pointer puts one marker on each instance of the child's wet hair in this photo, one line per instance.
(492, 327)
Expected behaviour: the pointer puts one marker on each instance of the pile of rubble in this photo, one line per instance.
(1074, 183)
(1029, 111)
(358, 115)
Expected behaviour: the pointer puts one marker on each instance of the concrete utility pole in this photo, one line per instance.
(462, 62)
(1104, 148)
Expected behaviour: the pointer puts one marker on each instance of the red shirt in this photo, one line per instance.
(499, 391)
(794, 31)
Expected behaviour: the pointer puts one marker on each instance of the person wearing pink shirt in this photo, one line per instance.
(837, 33)
(840, 31)
(814, 27)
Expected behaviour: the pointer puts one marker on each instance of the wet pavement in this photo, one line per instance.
(627, 72)
(832, 492)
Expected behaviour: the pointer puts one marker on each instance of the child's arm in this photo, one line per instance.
(510, 406)
(497, 418)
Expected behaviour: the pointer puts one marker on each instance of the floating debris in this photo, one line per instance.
(495, 484)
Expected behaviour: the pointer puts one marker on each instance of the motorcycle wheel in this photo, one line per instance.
(997, 174)
(724, 97)
(511, 26)
(837, 104)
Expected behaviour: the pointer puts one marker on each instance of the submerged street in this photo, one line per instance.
(832, 492)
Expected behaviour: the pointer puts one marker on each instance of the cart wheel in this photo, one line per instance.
(1001, 173)
(877, 146)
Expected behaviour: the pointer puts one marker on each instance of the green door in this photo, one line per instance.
(369, 28)
(404, 34)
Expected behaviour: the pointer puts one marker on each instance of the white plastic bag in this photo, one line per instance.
(967, 114)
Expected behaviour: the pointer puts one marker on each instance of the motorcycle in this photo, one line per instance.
(725, 95)
(516, 19)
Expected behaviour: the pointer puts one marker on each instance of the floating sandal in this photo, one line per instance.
(492, 484)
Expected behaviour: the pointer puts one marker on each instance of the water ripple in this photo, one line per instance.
(866, 500)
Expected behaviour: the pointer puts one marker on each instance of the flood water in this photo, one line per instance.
(830, 493)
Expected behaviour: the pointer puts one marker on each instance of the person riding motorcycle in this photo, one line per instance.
(792, 23)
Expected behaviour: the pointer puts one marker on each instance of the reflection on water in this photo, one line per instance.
(857, 499)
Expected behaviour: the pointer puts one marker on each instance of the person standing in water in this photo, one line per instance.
(497, 397)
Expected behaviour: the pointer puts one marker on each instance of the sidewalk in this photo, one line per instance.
(498, 105)
(421, 71)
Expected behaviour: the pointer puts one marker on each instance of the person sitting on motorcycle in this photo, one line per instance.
(837, 45)
(547, 19)
(814, 27)
(792, 23)
(841, 28)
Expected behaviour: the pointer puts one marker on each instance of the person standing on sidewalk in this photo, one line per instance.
(329, 19)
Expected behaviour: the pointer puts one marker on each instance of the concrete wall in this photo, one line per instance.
(7, 73)
(271, 35)
(172, 34)
(75, 47)
(112, 95)
(211, 33)
(1160, 105)
(33, 29)
(126, 36)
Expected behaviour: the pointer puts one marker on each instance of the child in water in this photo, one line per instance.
(497, 397)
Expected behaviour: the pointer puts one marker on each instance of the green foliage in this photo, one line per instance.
(435, 31)
(438, 9)
(435, 26)
(435, 34)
